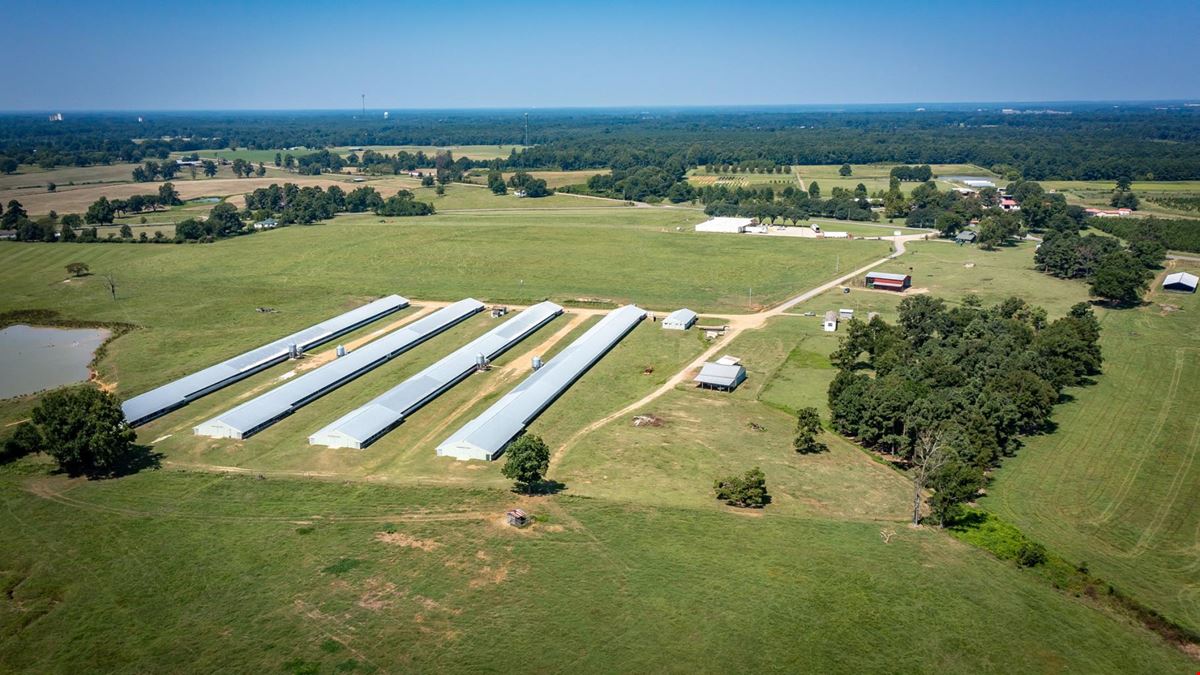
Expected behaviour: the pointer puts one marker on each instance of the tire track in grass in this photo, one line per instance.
(1176, 485)
(1136, 467)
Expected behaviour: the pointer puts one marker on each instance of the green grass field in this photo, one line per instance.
(196, 301)
(1114, 485)
(951, 271)
(876, 176)
(170, 571)
(272, 555)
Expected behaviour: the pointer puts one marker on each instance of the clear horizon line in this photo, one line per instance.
(622, 107)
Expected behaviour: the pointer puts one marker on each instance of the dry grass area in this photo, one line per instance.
(76, 200)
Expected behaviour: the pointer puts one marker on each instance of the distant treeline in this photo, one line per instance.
(1090, 143)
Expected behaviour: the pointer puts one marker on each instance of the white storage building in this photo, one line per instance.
(486, 436)
(262, 411)
(680, 319)
(156, 402)
(831, 321)
(725, 224)
(1180, 281)
(363, 426)
(725, 377)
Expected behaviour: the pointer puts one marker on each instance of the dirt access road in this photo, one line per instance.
(737, 324)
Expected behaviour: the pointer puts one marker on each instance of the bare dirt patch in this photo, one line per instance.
(406, 541)
(379, 595)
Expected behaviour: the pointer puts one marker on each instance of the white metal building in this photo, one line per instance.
(725, 377)
(680, 319)
(486, 436)
(265, 409)
(725, 224)
(1180, 281)
(360, 428)
(159, 401)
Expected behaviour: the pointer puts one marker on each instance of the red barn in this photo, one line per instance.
(888, 282)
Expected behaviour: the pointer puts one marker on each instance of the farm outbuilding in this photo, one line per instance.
(888, 281)
(262, 411)
(831, 321)
(363, 426)
(680, 319)
(159, 401)
(727, 225)
(1180, 281)
(965, 237)
(486, 436)
(725, 377)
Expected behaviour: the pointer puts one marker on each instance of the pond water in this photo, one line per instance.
(33, 359)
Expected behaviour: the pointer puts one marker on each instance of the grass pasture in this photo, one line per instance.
(391, 559)
(1113, 486)
(952, 271)
(34, 178)
(876, 176)
(196, 301)
(285, 575)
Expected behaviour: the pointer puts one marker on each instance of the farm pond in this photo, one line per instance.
(33, 359)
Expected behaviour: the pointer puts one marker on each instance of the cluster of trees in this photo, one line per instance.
(644, 184)
(920, 174)
(151, 171)
(1177, 234)
(294, 204)
(69, 229)
(1115, 272)
(952, 390)
(103, 211)
(322, 161)
(1123, 197)
(223, 221)
(244, 169)
(791, 204)
(85, 431)
(526, 183)
(746, 491)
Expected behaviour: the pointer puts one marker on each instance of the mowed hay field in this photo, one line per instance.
(877, 176)
(169, 571)
(1115, 485)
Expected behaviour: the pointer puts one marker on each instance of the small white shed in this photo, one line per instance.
(680, 319)
(831, 321)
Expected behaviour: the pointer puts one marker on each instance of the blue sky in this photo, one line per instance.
(73, 55)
